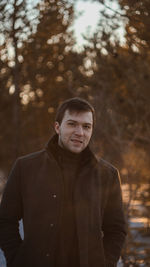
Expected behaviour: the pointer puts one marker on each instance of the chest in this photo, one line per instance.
(44, 190)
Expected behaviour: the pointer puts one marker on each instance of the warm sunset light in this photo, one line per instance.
(59, 62)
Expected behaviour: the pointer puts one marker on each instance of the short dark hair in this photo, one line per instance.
(75, 104)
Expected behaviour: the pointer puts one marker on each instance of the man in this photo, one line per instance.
(69, 201)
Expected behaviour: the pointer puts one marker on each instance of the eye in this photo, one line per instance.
(87, 127)
(71, 123)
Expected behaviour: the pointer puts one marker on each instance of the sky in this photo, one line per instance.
(87, 17)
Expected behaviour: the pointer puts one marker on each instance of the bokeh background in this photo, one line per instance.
(47, 56)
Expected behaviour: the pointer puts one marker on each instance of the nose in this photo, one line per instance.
(79, 130)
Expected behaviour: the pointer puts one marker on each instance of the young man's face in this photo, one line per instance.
(75, 130)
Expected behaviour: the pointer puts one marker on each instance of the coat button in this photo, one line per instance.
(102, 234)
(51, 224)
(47, 255)
(54, 195)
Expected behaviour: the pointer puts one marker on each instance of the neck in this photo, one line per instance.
(67, 153)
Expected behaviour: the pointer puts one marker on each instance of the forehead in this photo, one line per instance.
(78, 116)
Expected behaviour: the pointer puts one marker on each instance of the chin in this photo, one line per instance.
(76, 151)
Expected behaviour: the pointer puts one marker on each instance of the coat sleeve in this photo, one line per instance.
(114, 224)
(10, 214)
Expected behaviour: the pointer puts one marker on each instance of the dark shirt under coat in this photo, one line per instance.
(67, 250)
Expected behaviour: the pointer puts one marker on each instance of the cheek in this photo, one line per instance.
(64, 133)
(89, 136)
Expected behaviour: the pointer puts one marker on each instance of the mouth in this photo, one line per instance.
(76, 141)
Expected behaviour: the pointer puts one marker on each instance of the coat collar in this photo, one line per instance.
(85, 157)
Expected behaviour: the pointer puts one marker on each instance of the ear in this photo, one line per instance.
(56, 126)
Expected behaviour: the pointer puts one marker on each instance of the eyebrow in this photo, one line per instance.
(87, 123)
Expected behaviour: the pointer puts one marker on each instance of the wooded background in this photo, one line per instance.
(39, 68)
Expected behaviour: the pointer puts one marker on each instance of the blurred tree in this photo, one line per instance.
(15, 18)
(6, 106)
(120, 79)
(138, 47)
(137, 28)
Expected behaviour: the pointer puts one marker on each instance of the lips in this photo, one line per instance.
(76, 141)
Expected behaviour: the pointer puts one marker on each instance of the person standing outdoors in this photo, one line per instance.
(70, 202)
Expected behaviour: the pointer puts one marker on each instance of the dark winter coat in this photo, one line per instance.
(34, 192)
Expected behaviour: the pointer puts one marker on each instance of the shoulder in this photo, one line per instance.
(32, 159)
(32, 156)
(107, 166)
(109, 173)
